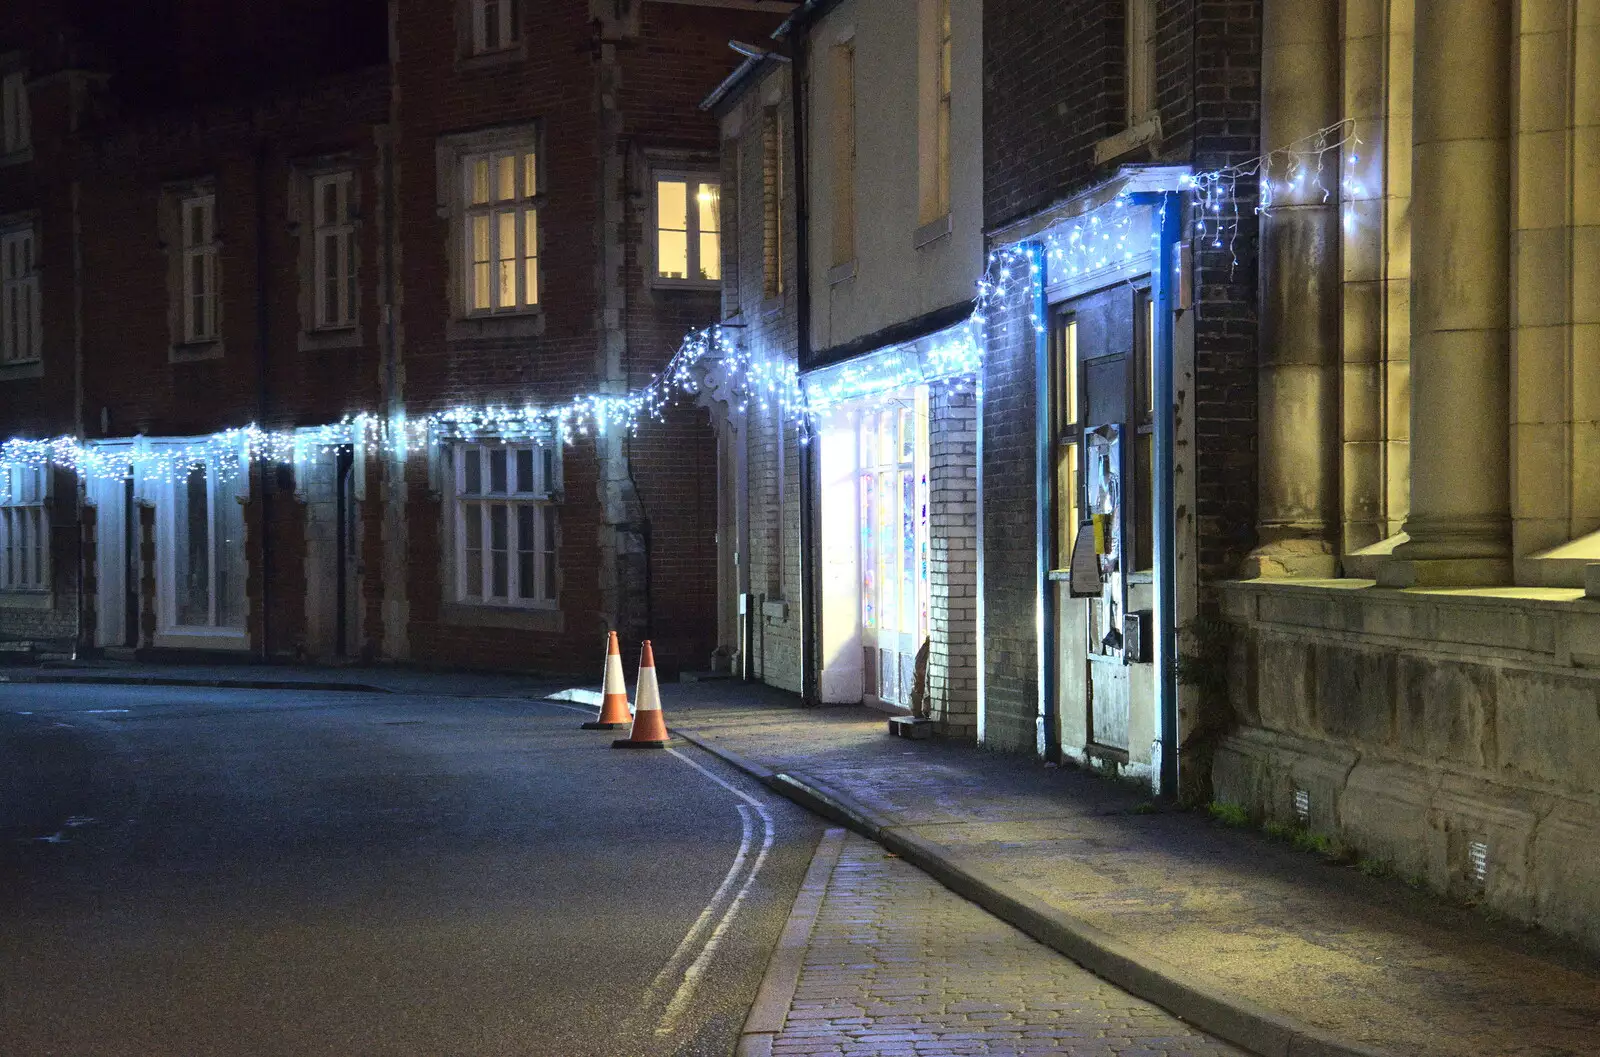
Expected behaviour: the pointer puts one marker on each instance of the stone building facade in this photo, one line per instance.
(474, 209)
(1411, 663)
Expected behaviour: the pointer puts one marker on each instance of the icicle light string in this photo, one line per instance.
(1295, 169)
(1101, 241)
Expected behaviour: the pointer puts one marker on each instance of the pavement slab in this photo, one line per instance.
(898, 964)
(1362, 965)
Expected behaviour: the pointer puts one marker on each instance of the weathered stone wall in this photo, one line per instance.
(1426, 729)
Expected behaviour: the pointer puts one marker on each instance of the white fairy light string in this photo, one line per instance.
(1293, 166)
(1100, 241)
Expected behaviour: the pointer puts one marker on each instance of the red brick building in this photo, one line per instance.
(293, 217)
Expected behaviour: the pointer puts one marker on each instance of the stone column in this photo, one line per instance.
(1459, 525)
(1299, 511)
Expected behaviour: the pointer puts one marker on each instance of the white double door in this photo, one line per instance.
(199, 548)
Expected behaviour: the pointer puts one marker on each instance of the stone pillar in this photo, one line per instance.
(1459, 525)
(1364, 201)
(1300, 508)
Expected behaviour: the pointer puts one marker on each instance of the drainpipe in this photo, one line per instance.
(262, 388)
(1048, 739)
(78, 643)
(810, 599)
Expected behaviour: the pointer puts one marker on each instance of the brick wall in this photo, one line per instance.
(1010, 675)
(953, 559)
(768, 331)
(1043, 115)
(610, 99)
(1226, 117)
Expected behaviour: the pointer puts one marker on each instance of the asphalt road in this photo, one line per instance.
(224, 872)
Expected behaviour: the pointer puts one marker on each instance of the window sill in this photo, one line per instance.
(492, 60)
(41, 599)
(772, 308)
(842, 273)
(195, 351)
(1128, 140)
(689, 285)
(17, 370)
(476, 615)
(16, 157)
(931, 232)
(202, 638)
(331, 339)
(510, 325)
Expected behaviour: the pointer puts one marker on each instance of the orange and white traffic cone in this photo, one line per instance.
(649, 725)
(614, 704)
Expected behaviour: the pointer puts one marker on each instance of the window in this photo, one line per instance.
(844, 153)
(942, 113)
(934, 91)
(19, 297)
(1143, 413)
(688, 217)
(24, 529)
(15, 135)
(1067, 417)
(501, 231)
(333, 265)
(197, 215)
(772, 202)
(494, 25)
(1141, 64)
(505, 523)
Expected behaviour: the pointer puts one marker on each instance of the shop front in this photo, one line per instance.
(896, 485)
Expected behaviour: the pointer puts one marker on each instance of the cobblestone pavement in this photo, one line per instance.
(899, 965)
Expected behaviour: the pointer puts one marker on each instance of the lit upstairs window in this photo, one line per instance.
(502, 231)
(688, 229)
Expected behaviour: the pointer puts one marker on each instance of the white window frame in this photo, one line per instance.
(693, 181)
(227, 481)
(484, 211)
(333, 252)
(844, 152)
(197, 226)
(1140, 22)
(21, 329)
(25, 529)
(533, 486)
(16, 133)
(494, 26)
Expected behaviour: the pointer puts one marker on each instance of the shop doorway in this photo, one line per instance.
(1102, 435)
(892, 523)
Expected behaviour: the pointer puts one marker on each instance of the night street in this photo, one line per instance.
(227, 872)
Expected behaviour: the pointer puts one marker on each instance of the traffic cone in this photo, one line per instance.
(649, 725)
(614, 705)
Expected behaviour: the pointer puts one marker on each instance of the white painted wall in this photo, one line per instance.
(894, 280)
